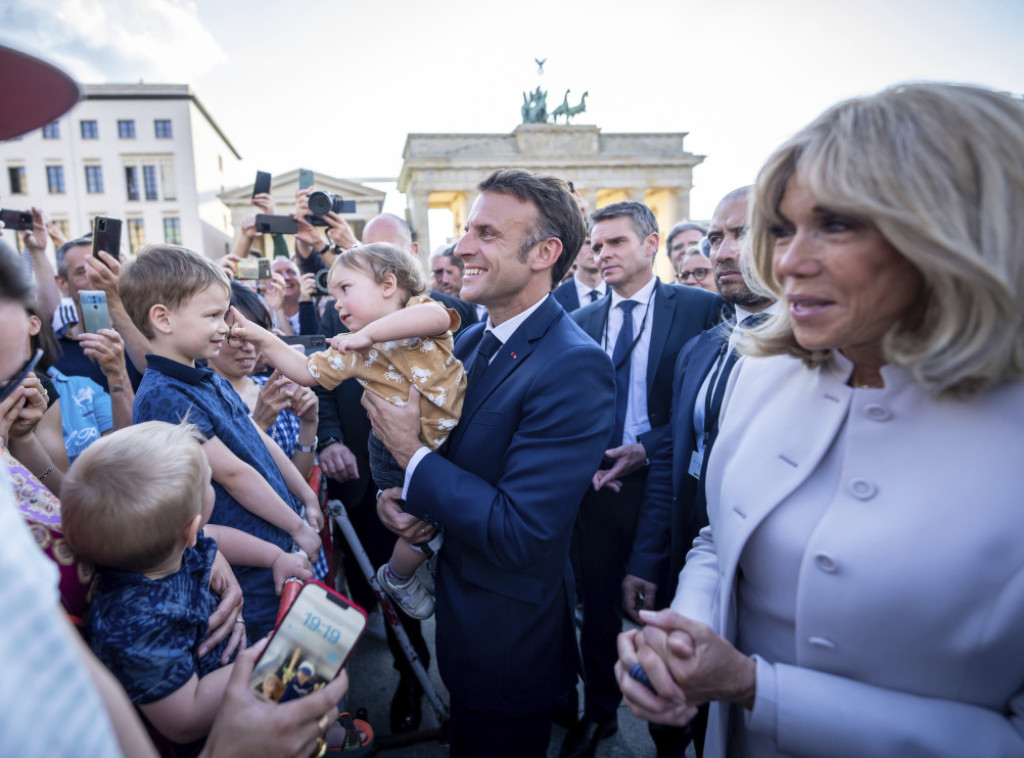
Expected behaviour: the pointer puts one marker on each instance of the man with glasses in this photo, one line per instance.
(694, 271)
(673, 508)
(586, 285)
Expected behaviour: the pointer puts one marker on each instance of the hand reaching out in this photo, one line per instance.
(352, 341)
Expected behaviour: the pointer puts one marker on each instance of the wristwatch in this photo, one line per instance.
(329, 441)
(300, 448)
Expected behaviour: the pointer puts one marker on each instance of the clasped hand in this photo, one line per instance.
(687, 664)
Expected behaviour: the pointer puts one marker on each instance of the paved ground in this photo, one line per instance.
(374, 681)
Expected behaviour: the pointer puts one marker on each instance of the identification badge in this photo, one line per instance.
(696, 462)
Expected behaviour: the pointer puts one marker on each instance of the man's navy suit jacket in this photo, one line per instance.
(674, 508)
(567, 295)
(506, 491)
(677, 315)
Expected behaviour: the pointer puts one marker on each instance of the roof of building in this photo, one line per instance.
(153, 92)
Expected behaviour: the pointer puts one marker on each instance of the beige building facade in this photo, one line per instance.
(150, 154)
(442, 171)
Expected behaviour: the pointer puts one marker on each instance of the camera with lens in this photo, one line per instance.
(321, 203)
(321, 281)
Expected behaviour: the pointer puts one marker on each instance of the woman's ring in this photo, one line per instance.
(321, 747)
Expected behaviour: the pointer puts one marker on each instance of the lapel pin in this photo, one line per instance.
(513, 355)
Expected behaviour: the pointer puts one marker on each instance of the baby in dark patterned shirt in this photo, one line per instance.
(135, 505)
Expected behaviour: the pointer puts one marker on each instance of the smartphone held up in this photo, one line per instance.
(106, 236)
(252, 269)
(95, 315)
(310, 645)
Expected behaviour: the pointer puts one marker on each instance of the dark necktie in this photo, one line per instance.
(594, 295)
(754, 319)
(621, 358)
(485, 351)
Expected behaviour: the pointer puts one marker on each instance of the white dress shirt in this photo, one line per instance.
(637, 420)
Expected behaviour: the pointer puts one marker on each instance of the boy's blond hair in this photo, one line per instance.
(131, 495)
(167, 275)
(378, 259)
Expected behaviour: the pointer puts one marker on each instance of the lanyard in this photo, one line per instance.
(639, 334)
(709, 423)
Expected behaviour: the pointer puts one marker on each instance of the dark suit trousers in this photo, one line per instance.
(475, 734)
(605, 529)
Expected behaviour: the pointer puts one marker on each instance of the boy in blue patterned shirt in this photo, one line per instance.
(178, 299)
(135, 504)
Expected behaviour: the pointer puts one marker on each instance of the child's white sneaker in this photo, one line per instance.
(412, 597)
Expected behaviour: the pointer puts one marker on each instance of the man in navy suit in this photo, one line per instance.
(641, 325)
(673, 509)
(586, 285)
(535, 422)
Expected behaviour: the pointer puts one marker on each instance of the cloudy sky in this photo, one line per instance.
(336, 86)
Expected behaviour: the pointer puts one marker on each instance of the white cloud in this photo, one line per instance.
(115, 40)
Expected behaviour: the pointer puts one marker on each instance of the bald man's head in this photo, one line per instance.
(387, 227)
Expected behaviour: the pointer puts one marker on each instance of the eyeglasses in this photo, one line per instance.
(236, 342)
(26, 368)
(698, 274)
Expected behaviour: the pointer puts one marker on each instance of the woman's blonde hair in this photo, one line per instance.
(939, 170)
(378, 259)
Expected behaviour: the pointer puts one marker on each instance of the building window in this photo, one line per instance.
(131, 181)
(167, 185)
(16, 175)
(162, 127)
(126, 129)
(90, 130)
(172, 231)
(149, 182)
(55, 180)
(52, 131)
(63, 226)
(136, 234)
(94, 180)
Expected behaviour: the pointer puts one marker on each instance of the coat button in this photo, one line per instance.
(825, 563)
(862, 489)
(877, 412)
(822, 642)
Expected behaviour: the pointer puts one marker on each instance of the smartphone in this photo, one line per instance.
(14, 381)
(94, 310)
(262, 183)
(310, 645)
(276, 224)
(310, 343)
(305, 178)
(17, 220)
(252, 268)
(106, 236)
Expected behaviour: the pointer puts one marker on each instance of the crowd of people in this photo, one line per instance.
(793, 472)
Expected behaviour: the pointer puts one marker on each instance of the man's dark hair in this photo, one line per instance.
(642, 217)
(62, 253)
(15, 283)
(677, 229)
(558, 215)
